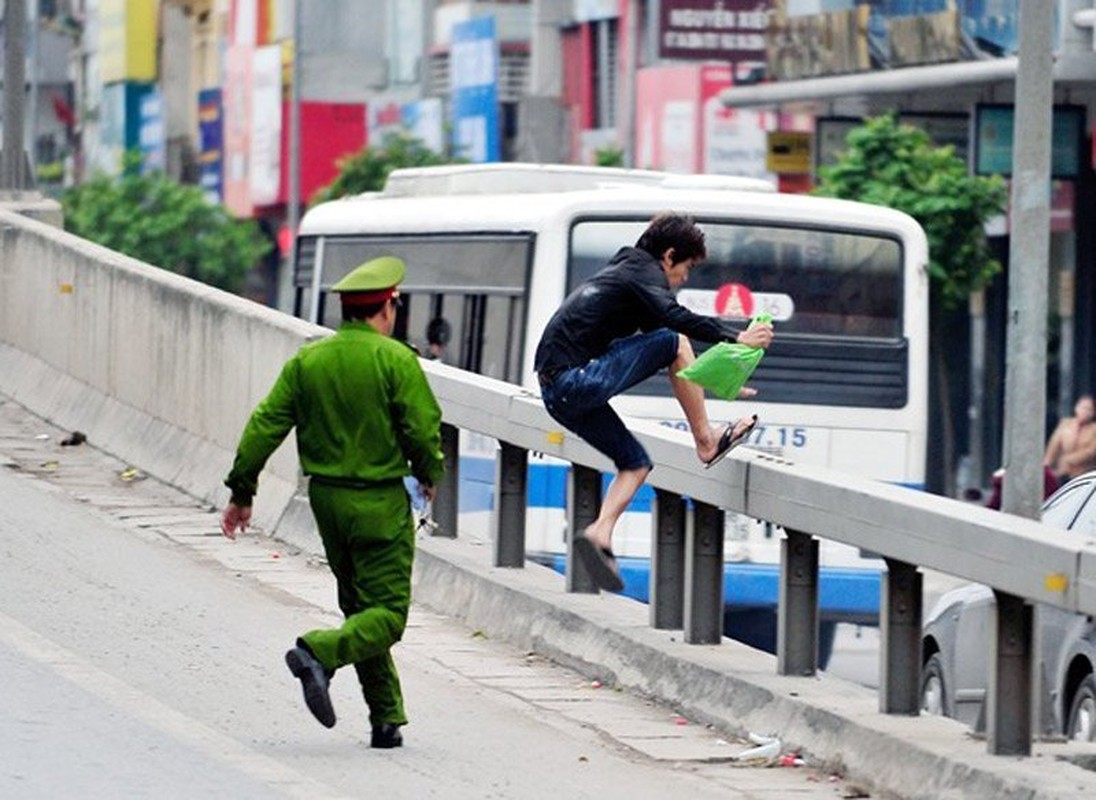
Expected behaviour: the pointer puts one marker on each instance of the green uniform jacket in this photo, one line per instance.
(363, 411)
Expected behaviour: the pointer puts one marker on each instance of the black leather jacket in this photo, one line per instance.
(630, 294)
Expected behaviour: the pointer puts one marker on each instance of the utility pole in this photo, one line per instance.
(12, 172)
(1029, 248)
(1010, 695)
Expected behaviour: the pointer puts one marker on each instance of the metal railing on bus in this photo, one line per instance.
(1023, 561)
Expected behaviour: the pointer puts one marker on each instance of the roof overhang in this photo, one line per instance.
(891, 81)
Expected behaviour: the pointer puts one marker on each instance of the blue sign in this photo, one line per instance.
(211, 145)
(473, 75)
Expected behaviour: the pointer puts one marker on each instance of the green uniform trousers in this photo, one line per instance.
(369, 538)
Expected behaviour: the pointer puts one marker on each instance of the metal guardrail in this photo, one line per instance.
(124, 302)
(1023, 561)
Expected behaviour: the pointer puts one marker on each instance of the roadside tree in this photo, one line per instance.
(894, 165)
(168, 224)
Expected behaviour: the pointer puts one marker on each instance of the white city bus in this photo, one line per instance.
(493, 249)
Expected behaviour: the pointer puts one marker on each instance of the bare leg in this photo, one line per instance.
(621, 490)
(690, 396)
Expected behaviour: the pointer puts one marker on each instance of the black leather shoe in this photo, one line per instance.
(314, 680)
(386, 736)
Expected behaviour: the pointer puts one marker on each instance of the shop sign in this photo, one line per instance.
(789, 153)
(722, 30)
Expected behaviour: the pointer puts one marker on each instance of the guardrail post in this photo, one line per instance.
(445, 503)
(900, 651)
(703, 619)
(797, 614)
(509, 518)
(667, 606)
(583, 506)
(1009, 696)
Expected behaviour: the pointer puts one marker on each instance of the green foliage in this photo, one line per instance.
(609, 157)
(897, 166)
(165, 223)
(367, 170)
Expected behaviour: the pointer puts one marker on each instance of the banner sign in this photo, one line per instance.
(265, 152)
(815, 38)
(211, 145)
(473, 73)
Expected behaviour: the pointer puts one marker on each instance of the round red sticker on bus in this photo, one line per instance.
(734, 300)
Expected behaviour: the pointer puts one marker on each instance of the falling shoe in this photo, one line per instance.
(600, 563)
(314, 680)
(728, 442)
(386, 736)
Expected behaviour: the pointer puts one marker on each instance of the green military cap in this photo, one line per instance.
(377, 275)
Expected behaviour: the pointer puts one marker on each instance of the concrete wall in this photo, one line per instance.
(154, 368)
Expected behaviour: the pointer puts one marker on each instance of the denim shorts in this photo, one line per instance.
(578, 398)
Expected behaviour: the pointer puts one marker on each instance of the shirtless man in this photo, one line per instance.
(1071, 450)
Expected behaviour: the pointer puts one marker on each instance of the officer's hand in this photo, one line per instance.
(428, 491)
(235, 518)
(759, 335)
(746, 392)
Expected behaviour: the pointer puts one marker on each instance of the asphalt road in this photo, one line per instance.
(141, 655)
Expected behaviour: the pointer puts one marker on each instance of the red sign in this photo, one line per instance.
(735, 301)
(329, 131)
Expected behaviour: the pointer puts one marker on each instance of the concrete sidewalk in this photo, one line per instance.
(730, 687)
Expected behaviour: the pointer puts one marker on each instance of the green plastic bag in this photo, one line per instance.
(724, 368)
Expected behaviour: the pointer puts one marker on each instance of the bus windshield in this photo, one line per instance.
(835, 297)
(812, 281)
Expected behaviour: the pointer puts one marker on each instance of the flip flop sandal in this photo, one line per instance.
(728, 442)
(600, 563)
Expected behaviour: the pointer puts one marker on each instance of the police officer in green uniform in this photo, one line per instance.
(365, 418)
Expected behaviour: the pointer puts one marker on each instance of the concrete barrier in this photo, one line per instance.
(157, 369)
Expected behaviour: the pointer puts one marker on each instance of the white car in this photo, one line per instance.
(956, 642)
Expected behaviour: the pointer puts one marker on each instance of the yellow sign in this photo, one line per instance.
(789, 153)
(127, 40)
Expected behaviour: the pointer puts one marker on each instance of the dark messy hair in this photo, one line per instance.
(678, 231)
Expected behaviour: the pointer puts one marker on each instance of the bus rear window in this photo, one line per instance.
(814, 282)
(835, 297)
